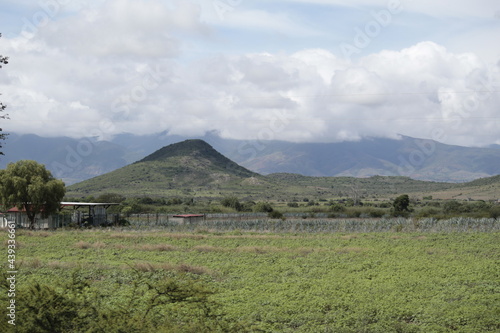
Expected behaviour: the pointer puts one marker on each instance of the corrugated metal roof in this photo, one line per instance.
(189, 215)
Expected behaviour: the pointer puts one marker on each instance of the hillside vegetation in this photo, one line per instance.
(194, 169)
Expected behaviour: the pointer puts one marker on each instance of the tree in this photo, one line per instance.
(401, 205)
(263, 207)
(27, 185)
(3, 61)
(232, 202)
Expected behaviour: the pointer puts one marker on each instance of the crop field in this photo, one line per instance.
(442, 277)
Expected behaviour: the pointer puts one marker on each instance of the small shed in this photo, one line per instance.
(95, 216)
(188, 218)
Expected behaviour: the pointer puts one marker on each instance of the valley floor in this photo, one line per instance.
(209, 279)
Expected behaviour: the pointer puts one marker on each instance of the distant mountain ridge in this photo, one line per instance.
(415, 158)
(75, 160)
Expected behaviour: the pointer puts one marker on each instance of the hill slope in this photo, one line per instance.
(191, 165)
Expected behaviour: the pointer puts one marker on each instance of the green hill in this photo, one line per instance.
(178, 169)
(480, 189)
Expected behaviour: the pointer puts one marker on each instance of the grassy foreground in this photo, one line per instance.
(206, 281)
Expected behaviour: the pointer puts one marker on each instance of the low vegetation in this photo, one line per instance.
(345, 207)
(408, 276)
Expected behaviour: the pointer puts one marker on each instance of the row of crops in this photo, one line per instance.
(263, 224)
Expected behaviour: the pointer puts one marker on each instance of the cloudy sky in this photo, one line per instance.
(296, 70)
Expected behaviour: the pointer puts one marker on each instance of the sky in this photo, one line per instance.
(293, 70)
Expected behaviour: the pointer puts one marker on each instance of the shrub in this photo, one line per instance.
(150, 303)
(263, 207)
(452, 207)
(232, 202)
(275, 215)
(495, 212)
(377, 213)
(338, 208)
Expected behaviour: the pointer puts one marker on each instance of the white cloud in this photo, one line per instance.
(123, 62)
(443, 8)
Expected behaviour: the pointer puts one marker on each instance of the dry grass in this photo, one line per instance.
(98, 245)
(125, 235)
(83, 245)
(181, 236)
(33, 233)
(352, 249)
(198, 270)
(304, 251)
(18, 244)
(263, 249)
(34, 263)
(143, 267)
(157, 247)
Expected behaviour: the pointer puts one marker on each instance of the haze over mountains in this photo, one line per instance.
(76, 160)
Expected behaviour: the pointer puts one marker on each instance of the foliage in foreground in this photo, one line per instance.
(146, 302)
(265, 281)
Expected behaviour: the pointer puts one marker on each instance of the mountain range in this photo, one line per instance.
(194, 169)
(75, 160)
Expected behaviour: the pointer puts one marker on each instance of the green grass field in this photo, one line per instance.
(258, 281)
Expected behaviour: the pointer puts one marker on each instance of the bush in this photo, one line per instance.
(428, 212)
(174, 201)
(231, 202)
(376, 213)
(150, 303)
(263, 207)
(338, 208)
(495, 212)
(275, 215)
(110, 198)
(453, 207)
